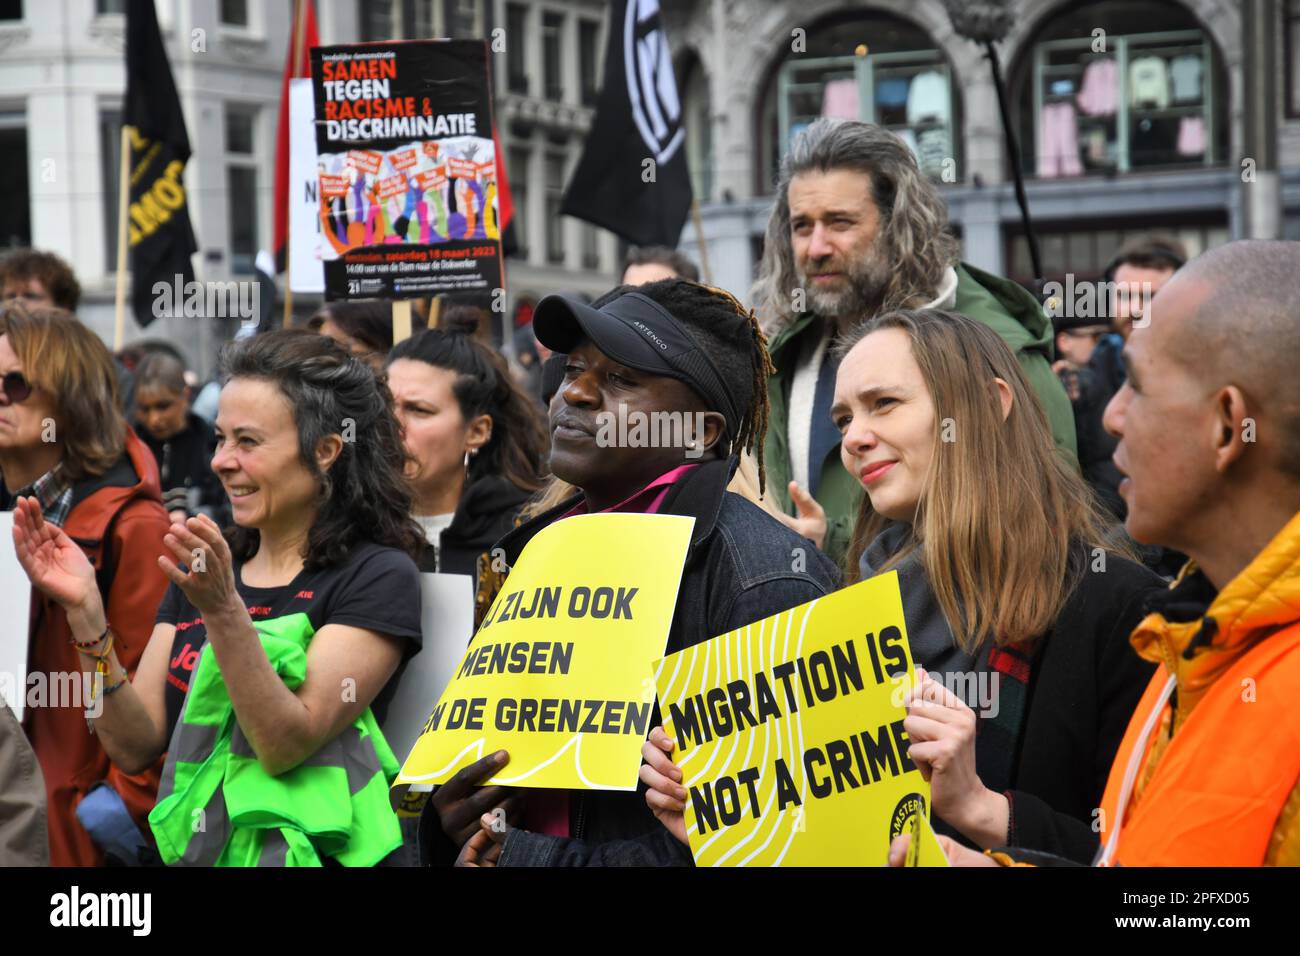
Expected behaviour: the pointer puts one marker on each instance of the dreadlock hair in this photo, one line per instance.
(730, 334)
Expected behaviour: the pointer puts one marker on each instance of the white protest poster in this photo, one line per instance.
(15, 610)
(447, 623)
(306, 274)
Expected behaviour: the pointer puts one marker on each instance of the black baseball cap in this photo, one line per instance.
(638, 332)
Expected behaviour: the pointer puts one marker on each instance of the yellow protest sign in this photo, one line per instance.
(559, 672)
(924, 849)
(790, 734)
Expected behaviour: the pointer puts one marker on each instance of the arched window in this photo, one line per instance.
(1120, 86)
(873, 67)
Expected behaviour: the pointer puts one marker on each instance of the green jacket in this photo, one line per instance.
(1003, 305)
(218, 807)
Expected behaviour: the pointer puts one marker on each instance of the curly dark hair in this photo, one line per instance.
(55, 274)
(730, 334)
(365, 498)
(484, 386)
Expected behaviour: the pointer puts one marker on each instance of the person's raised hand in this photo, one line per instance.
(942, 732)
(957, 854)
(54, 563)
(461, 802)
(665, 795)
(810, 520)
(484, 846)
(209, 581)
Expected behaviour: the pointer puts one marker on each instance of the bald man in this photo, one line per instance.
(1208, 425)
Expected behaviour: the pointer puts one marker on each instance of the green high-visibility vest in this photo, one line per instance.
(218, 807)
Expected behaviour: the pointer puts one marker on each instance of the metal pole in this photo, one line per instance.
(1013, 145)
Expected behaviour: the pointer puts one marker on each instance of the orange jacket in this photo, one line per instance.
(124, 506)
(1217, 780)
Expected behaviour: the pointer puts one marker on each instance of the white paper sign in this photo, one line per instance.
(447, 623)
(15, 617)
(306, 274)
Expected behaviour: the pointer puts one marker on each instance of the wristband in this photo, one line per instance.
(81, 647)
(116, 687)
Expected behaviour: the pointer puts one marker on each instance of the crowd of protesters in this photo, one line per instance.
(1101, 515)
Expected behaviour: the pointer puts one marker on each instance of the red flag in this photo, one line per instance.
(505, 204)
(291, 71)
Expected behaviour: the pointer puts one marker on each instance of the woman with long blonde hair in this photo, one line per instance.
(1016, 597)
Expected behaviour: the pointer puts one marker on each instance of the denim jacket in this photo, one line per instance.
(740, 568)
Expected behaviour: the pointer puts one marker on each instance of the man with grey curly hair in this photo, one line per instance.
(857, 229)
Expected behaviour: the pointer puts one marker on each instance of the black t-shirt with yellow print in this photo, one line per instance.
(376, 588)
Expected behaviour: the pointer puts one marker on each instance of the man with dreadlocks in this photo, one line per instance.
(674, 347)
(856, 230)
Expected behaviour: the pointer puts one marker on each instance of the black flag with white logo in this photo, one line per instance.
(159, 231)
(632, 178)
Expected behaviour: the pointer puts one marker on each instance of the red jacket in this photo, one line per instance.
(123, 506)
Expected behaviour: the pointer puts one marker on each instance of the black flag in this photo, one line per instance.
(632, 178)
(160, 234)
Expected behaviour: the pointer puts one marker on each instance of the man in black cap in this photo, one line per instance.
(689, 351)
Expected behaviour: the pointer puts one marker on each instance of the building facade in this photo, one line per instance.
(1182, 115)
(62, 80)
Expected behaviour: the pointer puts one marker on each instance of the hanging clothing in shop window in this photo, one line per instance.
(1152, 141)
(1058, 141)
(927, 99)
(1185, 71)
(1148, 82)
(933, 147)
(1096, 147)
(1191, 136)
(908, 137)
(840, 100)
(1099, 94)
(892, 92)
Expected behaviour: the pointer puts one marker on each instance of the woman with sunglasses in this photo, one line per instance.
(67, 453)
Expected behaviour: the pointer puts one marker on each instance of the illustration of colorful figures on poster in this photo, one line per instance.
(790, 734)
(407, 169)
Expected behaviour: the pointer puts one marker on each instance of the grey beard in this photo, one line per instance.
(858, 301)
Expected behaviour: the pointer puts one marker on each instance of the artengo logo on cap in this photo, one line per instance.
(649, 333)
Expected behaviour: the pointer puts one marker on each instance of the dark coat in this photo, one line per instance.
(737, 571)
(1098, 382)
(185, 470)
(485, 513)
(1085, 683)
